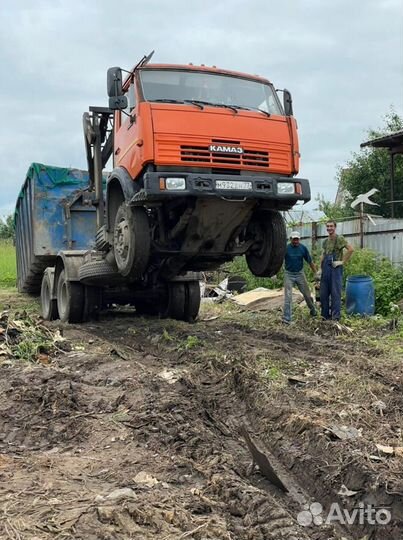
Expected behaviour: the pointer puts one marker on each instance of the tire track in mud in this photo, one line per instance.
(311, 469)
(209, 437)
(137, 408)
(76, 433)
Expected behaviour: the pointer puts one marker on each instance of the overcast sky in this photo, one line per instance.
(342, 60)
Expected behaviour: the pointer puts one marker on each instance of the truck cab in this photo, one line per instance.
(212, 156)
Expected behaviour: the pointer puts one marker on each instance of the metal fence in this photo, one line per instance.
(384, 236)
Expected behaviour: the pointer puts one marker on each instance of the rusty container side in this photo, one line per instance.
(54, 211)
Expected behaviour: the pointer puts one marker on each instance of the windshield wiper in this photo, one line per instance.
(199, 103)
(251, 109)
(194, 102)
(232, 107)
(166, 100)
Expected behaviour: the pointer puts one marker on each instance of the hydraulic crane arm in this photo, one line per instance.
(98, 140)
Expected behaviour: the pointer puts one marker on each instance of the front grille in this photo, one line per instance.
(201, 154)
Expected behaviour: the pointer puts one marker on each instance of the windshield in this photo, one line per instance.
(208, 88)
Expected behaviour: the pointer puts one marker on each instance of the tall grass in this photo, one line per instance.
(8, 268)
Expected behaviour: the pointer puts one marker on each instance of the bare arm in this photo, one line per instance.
(349, 252)
(313, 266)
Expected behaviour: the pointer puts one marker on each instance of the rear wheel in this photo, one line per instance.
(267, 253)
(131, 241)
(48, 305)
(92, 302)
(182, 301)
(70, 299)
(192, 300)
(176, 301)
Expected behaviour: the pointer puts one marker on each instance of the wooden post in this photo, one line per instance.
(314, 235)
(392, 184)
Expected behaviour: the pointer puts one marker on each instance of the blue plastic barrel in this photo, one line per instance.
(360, 295)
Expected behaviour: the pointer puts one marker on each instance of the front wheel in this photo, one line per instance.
(131, 241)
(266, 255)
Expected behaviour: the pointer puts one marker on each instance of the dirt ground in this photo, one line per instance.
(131, 428)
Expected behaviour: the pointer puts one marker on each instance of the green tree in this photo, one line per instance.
(332, 210)
(7, 228)
(370, 168)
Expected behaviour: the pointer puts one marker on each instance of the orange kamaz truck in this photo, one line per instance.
(204, 161)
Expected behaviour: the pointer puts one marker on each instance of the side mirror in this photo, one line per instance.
(115, 91)
(287, 102)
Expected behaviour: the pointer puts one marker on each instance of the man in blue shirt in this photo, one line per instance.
(294, 274)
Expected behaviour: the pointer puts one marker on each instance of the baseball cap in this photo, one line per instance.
(295, 234)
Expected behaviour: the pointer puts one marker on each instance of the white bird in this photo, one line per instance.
(364, 198)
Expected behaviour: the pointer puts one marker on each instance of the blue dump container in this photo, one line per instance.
(360, 295)
(53, 213)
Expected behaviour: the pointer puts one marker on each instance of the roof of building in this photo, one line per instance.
(391, 141)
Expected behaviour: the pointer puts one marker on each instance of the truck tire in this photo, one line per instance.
(172, 305)
(131, 241)
(70, 299)
(98, 273)
(192, 300)
(266, 256)
(176, 301)
(48, 304)
(92, 302)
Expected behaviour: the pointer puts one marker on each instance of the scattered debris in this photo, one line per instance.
(385, 449)
(122, 493)
(379, 406)
(261, 460)
(390, 450)
(171, 377)
(262, 299)
(345, 432)
(144, 478)
(296, 380)
(25, 337)
(209, 318)
(345, 492)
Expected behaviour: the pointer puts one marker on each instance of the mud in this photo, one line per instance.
(135, 432)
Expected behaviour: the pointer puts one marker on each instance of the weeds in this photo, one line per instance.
(166, 336)
(8, 268)
(189, 343)
(23, 337)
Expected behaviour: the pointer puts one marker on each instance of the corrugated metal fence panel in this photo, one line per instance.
(50, 217)
(385, 236)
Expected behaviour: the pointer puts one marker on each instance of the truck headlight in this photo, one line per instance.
(175, 183)
(285, 188)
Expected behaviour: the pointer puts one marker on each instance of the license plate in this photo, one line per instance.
(232, 184)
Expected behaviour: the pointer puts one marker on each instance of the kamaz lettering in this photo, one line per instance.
(226, 149)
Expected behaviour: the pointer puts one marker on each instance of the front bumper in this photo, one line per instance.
(205, 185)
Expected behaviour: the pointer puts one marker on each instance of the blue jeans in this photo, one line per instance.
(330, 289)
(298, 279)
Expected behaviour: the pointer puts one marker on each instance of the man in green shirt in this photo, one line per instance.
(332, 261)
